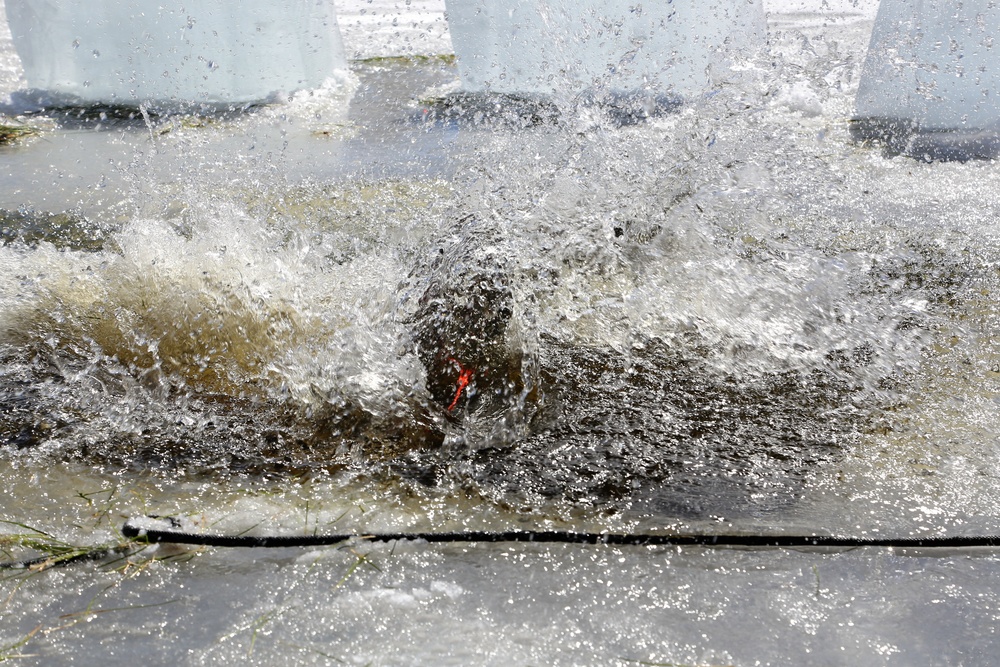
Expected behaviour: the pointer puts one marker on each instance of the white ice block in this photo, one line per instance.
(930, 80)
(541, 47)
(175, 51)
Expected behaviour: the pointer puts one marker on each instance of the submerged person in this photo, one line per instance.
(460, 333)
(658, 423)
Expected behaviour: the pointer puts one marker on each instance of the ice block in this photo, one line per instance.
(930, 80)
(546, 47)
(128, 52)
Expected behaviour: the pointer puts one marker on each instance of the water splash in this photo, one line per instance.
(695, 307)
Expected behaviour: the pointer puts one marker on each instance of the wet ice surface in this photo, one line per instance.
(735, 321)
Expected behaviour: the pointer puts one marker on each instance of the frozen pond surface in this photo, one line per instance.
(725, 319)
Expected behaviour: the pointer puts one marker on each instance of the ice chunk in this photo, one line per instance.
(540, 47)
(202, 51)
(930, 81)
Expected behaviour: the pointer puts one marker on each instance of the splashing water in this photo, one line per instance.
(395, 318)
(635, 302)
(678, 295)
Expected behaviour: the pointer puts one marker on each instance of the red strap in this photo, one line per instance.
(464, 377)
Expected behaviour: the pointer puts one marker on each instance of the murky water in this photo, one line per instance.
(726, 318)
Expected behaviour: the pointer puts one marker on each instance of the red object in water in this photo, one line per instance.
(464, 377)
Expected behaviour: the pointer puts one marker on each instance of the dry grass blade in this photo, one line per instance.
(11, 133)
(52, 551)
(9, 651)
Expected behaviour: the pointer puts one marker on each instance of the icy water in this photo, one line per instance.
(726, 319)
